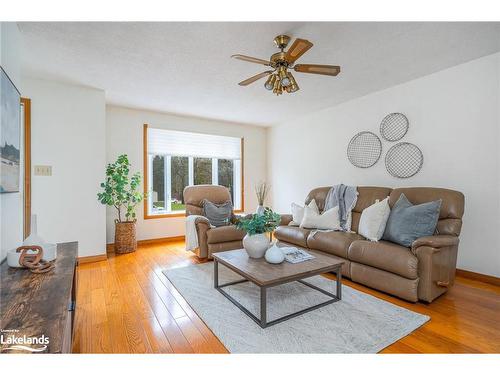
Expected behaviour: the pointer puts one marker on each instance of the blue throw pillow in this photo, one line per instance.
(407, 222)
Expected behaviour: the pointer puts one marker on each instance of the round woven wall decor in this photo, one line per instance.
(404, 160)
(394, 126)
(364, 149)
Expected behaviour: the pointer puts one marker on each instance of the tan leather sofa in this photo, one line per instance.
(211, 240)
(422, 272)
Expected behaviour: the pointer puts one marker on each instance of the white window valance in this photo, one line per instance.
(178, 143)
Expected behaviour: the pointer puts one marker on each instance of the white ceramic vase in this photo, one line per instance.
(274, 255)
(49, 249)
(260, 210)
(256, 245)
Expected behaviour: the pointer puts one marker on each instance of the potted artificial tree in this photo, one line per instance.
(122, 192)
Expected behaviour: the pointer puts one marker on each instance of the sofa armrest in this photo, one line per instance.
(286, 219)
(437, 261)
(202, 227)
(202, 220)
(435, 242)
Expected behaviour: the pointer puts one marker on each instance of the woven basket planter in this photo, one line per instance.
(125, 241)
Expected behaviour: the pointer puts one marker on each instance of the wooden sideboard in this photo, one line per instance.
(36, 305)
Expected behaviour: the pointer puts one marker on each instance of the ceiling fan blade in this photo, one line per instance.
(297, 49)
(251, 59)
(328, 70)
(250, 80)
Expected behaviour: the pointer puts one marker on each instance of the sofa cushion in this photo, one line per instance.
(373, 220)
(327, 220)
(224, 234)
(220, 214)
(367, 195)
(385, 255)
(292, 234)
(336, 243)
(407, 222)
(452, 205)
(388, 282)
(298, 212)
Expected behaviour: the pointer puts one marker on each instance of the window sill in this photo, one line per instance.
(176, 214)
(165, 216)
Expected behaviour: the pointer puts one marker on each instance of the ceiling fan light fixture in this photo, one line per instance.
(278, 89)
(279, 78)
(276, 83)
(294, 87)
(286, 81)
(293, 83)
(283, 74)
(270, 83)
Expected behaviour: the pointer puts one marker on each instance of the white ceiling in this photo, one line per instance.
(185, 68)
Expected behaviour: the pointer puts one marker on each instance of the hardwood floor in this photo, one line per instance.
(126, 305)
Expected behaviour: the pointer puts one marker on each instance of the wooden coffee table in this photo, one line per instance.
(266, 275)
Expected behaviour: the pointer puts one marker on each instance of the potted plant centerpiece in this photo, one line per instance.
(122, 192)
(256, 241)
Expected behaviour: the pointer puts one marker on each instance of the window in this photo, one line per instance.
(225, 173)
(174, 160)
(202, 171)
(158, 182)
(180, 179)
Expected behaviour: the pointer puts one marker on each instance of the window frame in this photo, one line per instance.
(147, 171)
(26, 108)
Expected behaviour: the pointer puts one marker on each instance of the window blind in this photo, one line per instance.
(178, 143)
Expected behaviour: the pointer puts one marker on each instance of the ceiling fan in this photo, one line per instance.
(279, 77)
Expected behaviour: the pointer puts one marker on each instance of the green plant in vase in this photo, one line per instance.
(257, 226)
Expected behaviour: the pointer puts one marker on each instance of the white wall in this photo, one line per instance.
(454, 119)
(68, 133)
(11, 204)
(124, 128)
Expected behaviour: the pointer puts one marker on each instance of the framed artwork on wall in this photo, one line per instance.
(10, 135)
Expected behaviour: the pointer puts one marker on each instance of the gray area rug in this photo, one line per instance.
(359, 323)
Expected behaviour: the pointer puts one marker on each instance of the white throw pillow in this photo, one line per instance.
(298, 212)
(373, 220)
(328, 220)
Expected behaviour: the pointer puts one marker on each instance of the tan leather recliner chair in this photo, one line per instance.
(211, 240)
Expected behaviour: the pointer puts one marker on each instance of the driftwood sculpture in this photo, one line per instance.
(33, 261)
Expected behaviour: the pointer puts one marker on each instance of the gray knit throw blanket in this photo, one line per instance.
(345, 197)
